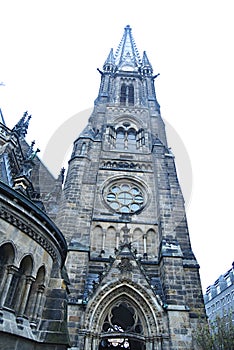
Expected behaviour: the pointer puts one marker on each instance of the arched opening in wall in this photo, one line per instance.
(126, 138)
(126, 133)
(83, 149)
(98, 241)
(127, 94)
(120, 136)
(122, 327)
(152, 244)
(7, 257)
(110, 242)
(123, 94)
(34, 300)
(131, 139)
(131, 95)
(123, 315)
(18, 293)
(137, 242)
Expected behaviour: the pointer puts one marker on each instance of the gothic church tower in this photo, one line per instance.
(134, 280)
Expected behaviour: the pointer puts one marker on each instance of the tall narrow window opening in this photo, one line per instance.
(123, 94)
(131, 95)
(127, 94)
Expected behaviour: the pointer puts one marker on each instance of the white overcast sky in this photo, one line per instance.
(49, 54)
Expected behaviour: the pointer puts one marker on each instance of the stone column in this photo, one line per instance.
(11, 270)
(40, 291)
(117, 240)
(145, 245)
(29, 281)
(103, 239)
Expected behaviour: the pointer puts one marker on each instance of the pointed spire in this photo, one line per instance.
(110, 62)
(147, 68)
(2, 118)
(21, 127)
(145, 60)
(127, 54)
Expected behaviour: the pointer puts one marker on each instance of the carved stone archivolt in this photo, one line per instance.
(10, 217)
(151, 314)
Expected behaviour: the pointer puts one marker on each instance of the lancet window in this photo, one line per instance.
(127, 94)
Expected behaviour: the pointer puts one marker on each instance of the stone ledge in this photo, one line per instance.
(177, 307)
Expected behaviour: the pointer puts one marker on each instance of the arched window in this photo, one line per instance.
(131, 95)
(120, 322)
(127, 94)
(137, 242)
(120, 138)
(17, 296)
(7, 256)
(125, 136)
(131, 134)
(140, 138)
(123, 94)
(34, 301)
(131, 138)
(83, 149)
(120, 133)
(98, 244)
(152, 245)
(110, 240)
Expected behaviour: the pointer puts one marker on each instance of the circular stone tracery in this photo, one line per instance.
(124, 197)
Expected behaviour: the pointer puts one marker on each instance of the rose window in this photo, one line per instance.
(125, 197)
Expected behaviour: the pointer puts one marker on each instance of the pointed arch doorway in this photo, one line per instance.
(122, 328)
(124, 315)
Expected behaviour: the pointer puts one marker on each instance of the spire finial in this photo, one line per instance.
(21, 127)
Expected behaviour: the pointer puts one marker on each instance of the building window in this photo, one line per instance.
(124, 197)
(125, 136)
(127, 94)
(123, 94)
(228, 280)
(131, 95)
(83, 149)
(7, 257)
(140, 138)
(120, 324)
(19, 287)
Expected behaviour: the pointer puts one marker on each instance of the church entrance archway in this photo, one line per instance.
(122, 328)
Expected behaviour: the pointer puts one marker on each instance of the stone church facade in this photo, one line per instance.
(103, 260)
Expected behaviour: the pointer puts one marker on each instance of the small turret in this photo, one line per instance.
(146, 65)
(109, 64)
